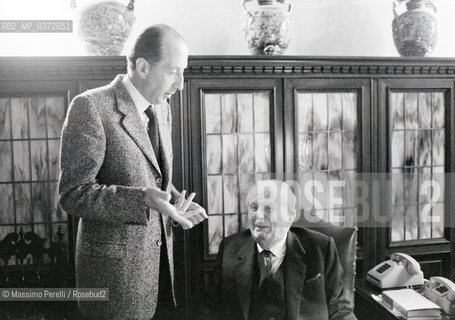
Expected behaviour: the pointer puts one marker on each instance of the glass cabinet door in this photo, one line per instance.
(330, 148)
(237, 153)
(30, 145)
(417, 152)
(239, 146)
(327, 154)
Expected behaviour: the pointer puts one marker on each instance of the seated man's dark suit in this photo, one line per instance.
(307, 285)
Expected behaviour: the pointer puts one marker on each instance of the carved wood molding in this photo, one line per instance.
(25, 68)
(319, 69)
(332, 66)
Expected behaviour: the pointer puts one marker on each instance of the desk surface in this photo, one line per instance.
(366, 307)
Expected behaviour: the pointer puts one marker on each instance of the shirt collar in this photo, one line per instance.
(140, 102)
(278, 249)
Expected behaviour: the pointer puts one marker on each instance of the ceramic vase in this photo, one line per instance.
(415, 30)
(266, 25)
(104, 27)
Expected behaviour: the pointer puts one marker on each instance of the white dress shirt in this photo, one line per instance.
(139, 101)
(278, 252)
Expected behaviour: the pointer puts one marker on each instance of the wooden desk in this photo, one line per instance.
(367, 308)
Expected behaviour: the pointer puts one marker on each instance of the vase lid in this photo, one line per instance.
(266, 3)
(420, 4)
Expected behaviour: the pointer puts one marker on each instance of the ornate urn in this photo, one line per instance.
(415, 31)
(266, 25)
(104, 26)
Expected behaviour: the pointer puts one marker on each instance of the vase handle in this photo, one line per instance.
(130, 5)
(244, 4)
(397, 3)
(430, 4)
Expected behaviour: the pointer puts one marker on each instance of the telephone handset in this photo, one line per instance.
(442, 292)
(401, 270)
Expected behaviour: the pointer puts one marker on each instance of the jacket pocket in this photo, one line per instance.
(316, 277)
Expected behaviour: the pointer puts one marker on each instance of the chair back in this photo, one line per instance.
(346, 243)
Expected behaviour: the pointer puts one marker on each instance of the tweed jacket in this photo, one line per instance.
(313, 287)
(106, 159)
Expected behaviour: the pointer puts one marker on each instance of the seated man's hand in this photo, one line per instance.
(158, 200)
(190, 210)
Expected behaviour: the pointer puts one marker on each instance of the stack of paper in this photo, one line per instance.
(411, 305)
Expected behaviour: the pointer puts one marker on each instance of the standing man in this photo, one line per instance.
(273, 271)
(116, 175)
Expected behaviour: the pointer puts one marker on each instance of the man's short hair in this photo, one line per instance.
(149, 44)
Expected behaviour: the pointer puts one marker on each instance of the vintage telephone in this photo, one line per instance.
(401, 270)
(442, 292)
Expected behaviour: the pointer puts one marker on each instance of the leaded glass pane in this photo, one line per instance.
(37, 118)
(335, 112)
(55, 115)
(229, 113)
(231, 194)
(262, 152)
(7, 202)
(58, 214)
(54, 159)
(261, 102)
(231, 224)
(246, 181)
(246, 153)
(5, 119)
(215, 233)
(213, 154)
(212, 113)
(40, 202)
(230, 148)
(245, 119)
(21, 153)
(39, 160)
(214, 195)
(6, 172)
(23, 202)
(19, 115)
(438, 109)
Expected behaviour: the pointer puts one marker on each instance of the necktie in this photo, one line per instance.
(267, 256)
(152, 130)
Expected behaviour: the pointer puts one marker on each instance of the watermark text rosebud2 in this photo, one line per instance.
(377, 197)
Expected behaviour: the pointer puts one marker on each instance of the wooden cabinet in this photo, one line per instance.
(381, 125)
(334, 121)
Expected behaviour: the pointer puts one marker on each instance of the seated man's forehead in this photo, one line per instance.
(268, 199)
(261, 194)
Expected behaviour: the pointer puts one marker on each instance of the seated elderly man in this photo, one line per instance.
(273, 271)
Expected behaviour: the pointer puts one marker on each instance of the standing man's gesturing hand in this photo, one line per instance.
(190, 210)
(158, 200)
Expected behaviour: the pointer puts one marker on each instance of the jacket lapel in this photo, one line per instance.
(244, 274)
(295, 274)
(132, 122)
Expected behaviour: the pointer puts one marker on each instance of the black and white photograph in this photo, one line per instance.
(227, 160)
